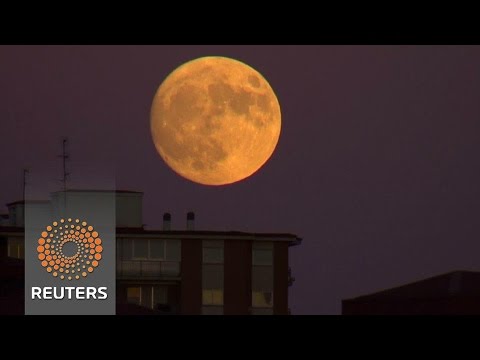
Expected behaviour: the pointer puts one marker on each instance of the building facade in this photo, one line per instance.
(185, 271)
(454, 293)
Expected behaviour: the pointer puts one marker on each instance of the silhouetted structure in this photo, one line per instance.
(455, 293)
(173, 272)
(12, 285)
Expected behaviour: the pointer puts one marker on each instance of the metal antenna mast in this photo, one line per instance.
(64, 180)
(64, 157)
(25, 174)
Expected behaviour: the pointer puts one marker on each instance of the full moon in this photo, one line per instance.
(215, 120)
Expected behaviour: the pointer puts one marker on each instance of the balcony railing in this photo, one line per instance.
(147, 269)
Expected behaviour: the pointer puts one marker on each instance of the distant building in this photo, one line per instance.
(176, 271)
(4, 220)
(455, 293)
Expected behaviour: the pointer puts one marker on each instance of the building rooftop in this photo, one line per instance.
(456, 283)
(191, 234)
(129, 222)
(15, 202)
(99, 191)
(29, 201)
(212, 234)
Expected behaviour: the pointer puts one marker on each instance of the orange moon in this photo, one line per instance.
(215, 120)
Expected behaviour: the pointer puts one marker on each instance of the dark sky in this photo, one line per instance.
(376, 167)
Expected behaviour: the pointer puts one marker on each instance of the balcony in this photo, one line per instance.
(144, 269)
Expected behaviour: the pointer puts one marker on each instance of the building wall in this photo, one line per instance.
(4, 220)
(238, 277)
(16, 215)
(280, 278)
(174, 297)
(3, 247)
(191, 273)
(237, 267)
(121, 292)
(185, 292)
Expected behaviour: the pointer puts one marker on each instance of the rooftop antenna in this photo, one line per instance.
(25, 175)
(64, 180)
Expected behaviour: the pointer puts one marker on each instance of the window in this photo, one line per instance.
(159, 296)
(21, 251)
(16, 248)
(127, 249)
(154, 257)
(262, 278)
(151, 249)
(262, 275)
(262, 253)
(147, 296)
(140, 248)
(212, 276)
(157, 249)
(262, 299)
(13, 250)
(174, 250)
(262, 257)
(213, 252)
(13, 216)
(212, 297)
(212, 284)
(134, 295)
(213, 255)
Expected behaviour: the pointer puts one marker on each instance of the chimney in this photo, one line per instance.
(190, 221)
(166, 221)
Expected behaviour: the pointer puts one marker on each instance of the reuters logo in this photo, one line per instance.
(77, 262)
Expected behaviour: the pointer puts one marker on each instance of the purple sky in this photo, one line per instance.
(377, 167)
